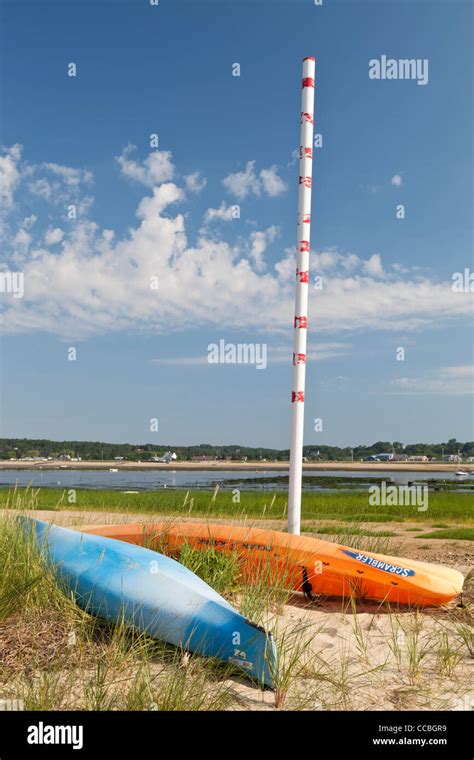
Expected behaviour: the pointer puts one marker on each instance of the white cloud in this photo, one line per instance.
(244, 183)
(154, 170)
(53, 236)
(224, 213)
(84, 204)
(396, 181)
(68, 174)
(42, 188)
(59, 184)
(279, 354)
(99, 282)
(194, 182)
(14, 151)
(22, 238)
(9, 174)
(400, 268)
(273, 185)
(448, 381)
(259, 241)
(29, 221)
(331, 259)
(322, 351)
(373, 266)
(295, 155)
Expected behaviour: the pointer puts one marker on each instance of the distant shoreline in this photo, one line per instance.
(242, 466)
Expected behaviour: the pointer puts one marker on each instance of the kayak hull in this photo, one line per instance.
(123, 582)
(303, 563)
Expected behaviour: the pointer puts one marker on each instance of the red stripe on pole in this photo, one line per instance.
(308, 82)
(307, 117)
(304, 276)
(309, 58)
(301, 322)
(297, 396)
(306, 152)
(306, 181)
(299, 358)
(304, 246)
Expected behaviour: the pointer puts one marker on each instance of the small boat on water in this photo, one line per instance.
(118, 581)
(462, 474)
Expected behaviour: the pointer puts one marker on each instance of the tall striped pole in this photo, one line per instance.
(301, 296)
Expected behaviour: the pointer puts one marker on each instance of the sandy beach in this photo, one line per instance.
(257, 466)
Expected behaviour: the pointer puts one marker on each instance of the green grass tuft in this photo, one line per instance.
(221, 571)
(347, 531)
(459, 534)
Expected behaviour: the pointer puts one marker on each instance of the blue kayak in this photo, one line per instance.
(155, 594)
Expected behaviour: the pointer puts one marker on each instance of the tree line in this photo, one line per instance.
(19, 448)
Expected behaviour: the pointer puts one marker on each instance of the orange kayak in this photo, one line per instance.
(301, 563)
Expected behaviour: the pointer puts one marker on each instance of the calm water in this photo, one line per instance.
(152, 480)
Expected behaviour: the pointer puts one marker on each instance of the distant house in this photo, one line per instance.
(372, 458)
(384, 457)
(418, 458)
(451, 458)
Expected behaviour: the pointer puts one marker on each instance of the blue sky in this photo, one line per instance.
(142, 211)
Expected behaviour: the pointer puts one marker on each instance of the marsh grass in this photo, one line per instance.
(396, 641)
(266, 590)
(456, 534)
(362, 642)
(348, 506)
(258, 600)
(351, 531)
(25, 582)
(345, 677)
(465, 635)
(417, 647)
(125, 682)
(294, 656)
(461, 630)
(448, 655)
(354, 517)
(45, 690)
(221, 571)
(378, 542)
